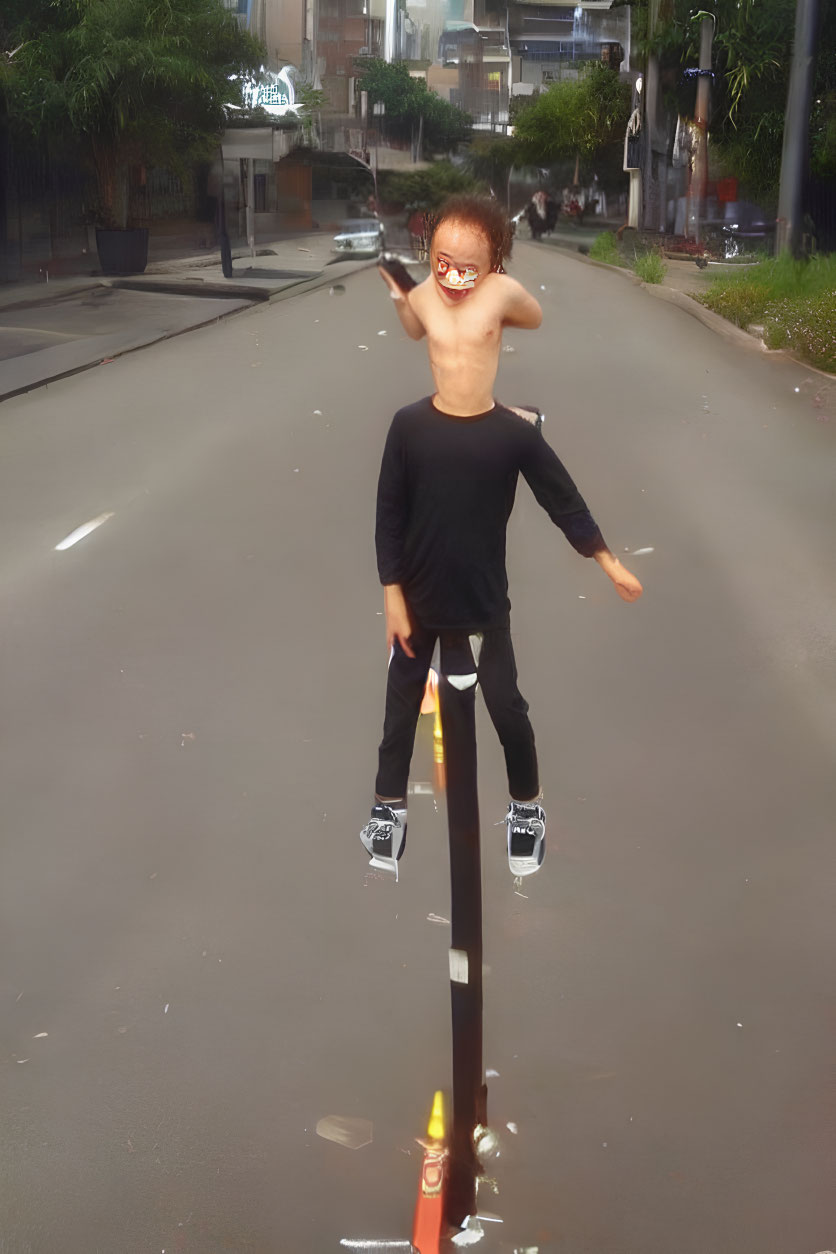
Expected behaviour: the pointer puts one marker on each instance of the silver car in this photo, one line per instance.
(359, 237)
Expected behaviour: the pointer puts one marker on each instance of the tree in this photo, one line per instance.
(752, 40)
(127, 82)
(573, 119)
(410, 106)
(425, 189)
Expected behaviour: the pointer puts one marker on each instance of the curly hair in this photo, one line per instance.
(484, 215)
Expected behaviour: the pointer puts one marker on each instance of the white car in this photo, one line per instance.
(359, 237)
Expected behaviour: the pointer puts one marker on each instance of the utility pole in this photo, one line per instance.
(796, 128)
(457, 696)
(699, 158)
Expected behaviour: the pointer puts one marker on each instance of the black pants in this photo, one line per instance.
(497, 672)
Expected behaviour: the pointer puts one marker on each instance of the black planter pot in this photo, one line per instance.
(122, 252)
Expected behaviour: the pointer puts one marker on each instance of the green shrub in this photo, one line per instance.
(794, 300)
(605, 248)
(741, 300)
(650, 268)
(806, 327)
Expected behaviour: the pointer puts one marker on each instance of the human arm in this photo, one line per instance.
(555, 490)
(398, 626)
(520, 309)
(410, 321)
(390, 531)
(626, 584)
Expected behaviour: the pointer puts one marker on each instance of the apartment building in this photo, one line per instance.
(551, 39)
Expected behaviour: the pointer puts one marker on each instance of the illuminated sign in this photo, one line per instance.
(274, 93)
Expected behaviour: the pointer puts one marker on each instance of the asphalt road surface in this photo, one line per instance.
(197, 966)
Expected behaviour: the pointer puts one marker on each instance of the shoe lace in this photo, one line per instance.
(376, 830)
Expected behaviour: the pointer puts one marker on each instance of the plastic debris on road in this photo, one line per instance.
(358, 1243)
(381, 332)
(512, 1128)
(491, 1074)
(642, 552)
(346, 1131)
(363, 347)
(438, 918)
(471, 1234)
(508, 348)
(39, 1036)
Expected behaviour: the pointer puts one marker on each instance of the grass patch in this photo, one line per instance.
(795, 301)
(605, 248)
(650, 268)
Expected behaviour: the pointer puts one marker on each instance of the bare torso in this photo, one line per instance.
(464, 342)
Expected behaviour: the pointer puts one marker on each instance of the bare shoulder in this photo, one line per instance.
(505, 290)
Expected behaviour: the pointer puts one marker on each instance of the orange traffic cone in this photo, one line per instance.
(429, 1208)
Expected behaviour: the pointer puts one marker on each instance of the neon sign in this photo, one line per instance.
(274, 93)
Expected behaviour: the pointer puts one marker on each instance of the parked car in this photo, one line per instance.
(359, 237)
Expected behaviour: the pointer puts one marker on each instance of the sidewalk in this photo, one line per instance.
(52, 328)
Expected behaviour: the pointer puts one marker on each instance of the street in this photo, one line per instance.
(198, 966)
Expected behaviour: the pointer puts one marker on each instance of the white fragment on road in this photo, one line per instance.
(512, 1127)
(642, 552)
(381, 332)
(82, 531)
(296, 470)
(517, 893)
(22, 1060)
(39, 1036)
(740, 1025)
(165, 1012)
(347, 1243)
(581, 598)
(363, 347)
(318, 413)
(458, 966)
(490, 1073)
(508, 348)
(438, 918)
(346, 1131)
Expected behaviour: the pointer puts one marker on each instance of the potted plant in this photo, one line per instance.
(129, 84)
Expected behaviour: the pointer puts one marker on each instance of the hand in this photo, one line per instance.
(394, 291)
(398, 626)
(626, 584)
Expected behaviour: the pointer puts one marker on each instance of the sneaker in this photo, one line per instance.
(526, 826)
(384, 837)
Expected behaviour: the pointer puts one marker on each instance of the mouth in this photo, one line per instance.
(455, 294)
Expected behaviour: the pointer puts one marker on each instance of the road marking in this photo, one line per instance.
(81, 532)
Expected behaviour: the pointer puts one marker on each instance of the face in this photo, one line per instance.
(459, 260)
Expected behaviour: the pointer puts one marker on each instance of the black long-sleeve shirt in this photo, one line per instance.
(445, 494)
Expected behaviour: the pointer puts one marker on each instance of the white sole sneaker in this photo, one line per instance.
(526, 829)
(384, 837)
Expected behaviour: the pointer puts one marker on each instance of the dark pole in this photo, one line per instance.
(458, 721)
(226, 251)
(796, 126)
(699, 162)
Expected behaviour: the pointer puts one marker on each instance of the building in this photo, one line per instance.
(550, 40)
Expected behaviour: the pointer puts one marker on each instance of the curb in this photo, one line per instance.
(249, 295)
(714, 321)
